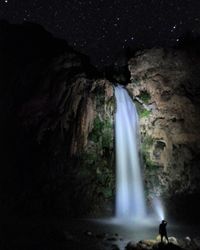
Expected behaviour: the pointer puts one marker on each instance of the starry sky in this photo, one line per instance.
(102, 28)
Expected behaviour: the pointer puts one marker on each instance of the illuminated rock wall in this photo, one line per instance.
(167, 82)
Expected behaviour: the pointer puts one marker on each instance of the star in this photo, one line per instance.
(173, 28)
(101, 23)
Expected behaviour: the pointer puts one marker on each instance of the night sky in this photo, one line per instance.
(102, 28)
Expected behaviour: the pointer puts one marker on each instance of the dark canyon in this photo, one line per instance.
(57, 126)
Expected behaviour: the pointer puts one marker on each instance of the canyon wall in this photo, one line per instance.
(57, 128)
(57, 155)
(166, 84)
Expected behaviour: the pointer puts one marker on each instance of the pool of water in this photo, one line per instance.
(95, 234)
(135, 231)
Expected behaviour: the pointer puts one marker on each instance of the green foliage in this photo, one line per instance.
(148, 140)
(97, 129)
(150, 165)
(102, 132)
(151, 176)
(88, 158)
(111, 105)
(139, 107)
(99, 96)
(96, 175)
(145, 113)
(147, 143)
(142, 112)
(100, 99)
(152, 170)
(111, 102)
(107, 193)
(107, 134)
(95, 171)
(145, 97)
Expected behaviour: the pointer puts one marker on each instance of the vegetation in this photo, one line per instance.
(97, 130)
(95, 173)
(149, 164)
(145, 113)
(152, 170)
(95, 178)
(142, 112)
(144, 97)
(147, 143)
(102, 132)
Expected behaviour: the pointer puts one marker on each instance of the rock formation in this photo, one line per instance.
(57, 128)
(57, 132)
(167, 82)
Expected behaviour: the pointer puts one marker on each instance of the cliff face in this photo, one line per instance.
(167, 84)
(57, 128)
(73, 127)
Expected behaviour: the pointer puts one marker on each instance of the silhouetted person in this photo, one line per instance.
(163, 230)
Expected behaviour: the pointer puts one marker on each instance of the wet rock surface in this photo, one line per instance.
(166, 82)
(173, 244)
(57, 128)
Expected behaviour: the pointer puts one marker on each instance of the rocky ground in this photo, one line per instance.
(108, 241)
(51, 234)
(57, 128)
(174, 243)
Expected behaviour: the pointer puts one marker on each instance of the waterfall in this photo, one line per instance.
(129, 185)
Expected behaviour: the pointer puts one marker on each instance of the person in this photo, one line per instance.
(163, 230)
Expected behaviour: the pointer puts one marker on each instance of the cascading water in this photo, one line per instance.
(129, 194)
